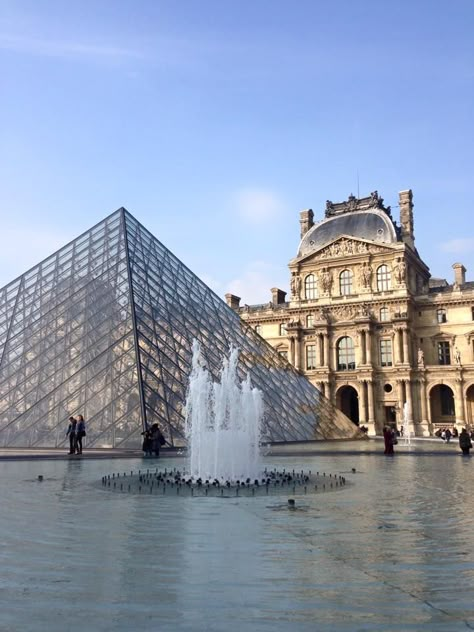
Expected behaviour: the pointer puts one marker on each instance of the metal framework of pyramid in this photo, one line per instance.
(104, 328)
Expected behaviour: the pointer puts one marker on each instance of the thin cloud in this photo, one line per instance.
(257, 206)
(458, 246)
(63, 48)
(256, 282)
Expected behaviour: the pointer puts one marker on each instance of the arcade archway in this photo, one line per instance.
(347, 400)
(443, 410)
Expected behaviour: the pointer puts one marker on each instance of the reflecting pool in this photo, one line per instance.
(393, 550)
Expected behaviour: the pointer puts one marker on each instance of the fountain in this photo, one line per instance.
(223, 422)
(407, 424)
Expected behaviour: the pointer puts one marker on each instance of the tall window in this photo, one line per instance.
(441, 315)
(283, 331)
(310, 320)
(310, 287)
(258, 329)
(385, 353)
(345, 282)
(383, 314)
(383, 278)
(447, 400)
(310, 357)
(345, 354)
(444, 356)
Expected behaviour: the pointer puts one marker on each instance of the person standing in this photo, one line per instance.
(157, 439)
(71, 433)
(465, 441)
(388, 440)
(80, 433)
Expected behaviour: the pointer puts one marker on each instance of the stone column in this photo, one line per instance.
(409, 400)
(327, 357)
(406, 354)
(297, 343)
(360, 358)
(363, 407)
(459, 409)
(371, 411)
(422, 384)
(292, 351)
(400, 401)
(396, 347)
(368, 346)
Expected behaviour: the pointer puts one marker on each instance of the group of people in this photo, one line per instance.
(465, 439)
(76, 432)
(153, 439)
(446, 433)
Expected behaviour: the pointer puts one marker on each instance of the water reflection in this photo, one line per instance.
(392, 549)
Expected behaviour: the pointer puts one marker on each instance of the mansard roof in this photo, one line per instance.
(364, 218)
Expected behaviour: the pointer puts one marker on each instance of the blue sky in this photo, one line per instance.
(216, 122)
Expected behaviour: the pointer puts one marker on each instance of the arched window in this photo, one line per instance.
(345, 282)
(310, 320)
(345, 354)
(310, 290)
(384, 278)
(383, 314)
(258, 329)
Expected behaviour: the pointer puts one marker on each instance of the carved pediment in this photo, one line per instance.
(346, 247)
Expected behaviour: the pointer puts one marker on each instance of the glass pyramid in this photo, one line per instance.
(104, 328)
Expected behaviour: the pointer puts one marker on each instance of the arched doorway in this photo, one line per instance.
(347, 400)
(470, 405)
(443, 411)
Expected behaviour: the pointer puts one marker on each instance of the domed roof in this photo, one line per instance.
(371, 224)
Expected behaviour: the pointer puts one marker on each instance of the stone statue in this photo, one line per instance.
(295, 285)
(326, 280)
(421, 358)
(366, 274)
(400, 272)
(457, 355)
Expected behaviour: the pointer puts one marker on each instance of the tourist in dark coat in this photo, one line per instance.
(388, 440)
(465, 442)
(80, 433)
(71, 433)
(157, 439)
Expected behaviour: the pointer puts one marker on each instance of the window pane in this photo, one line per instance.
(386, 353)
(310, 320)
(444, 356)
(345, 354)
(384, 314)
(345, 282)
(310, 287)
(310, 357)
(383, 278)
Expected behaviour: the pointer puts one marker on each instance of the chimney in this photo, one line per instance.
(278, 296)
(306, 221)
(232, 301)
(406, 217)
(459, 274)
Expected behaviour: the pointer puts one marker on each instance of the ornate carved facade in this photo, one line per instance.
(368, 325)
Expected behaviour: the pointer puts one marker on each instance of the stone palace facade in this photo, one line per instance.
(368, 325)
